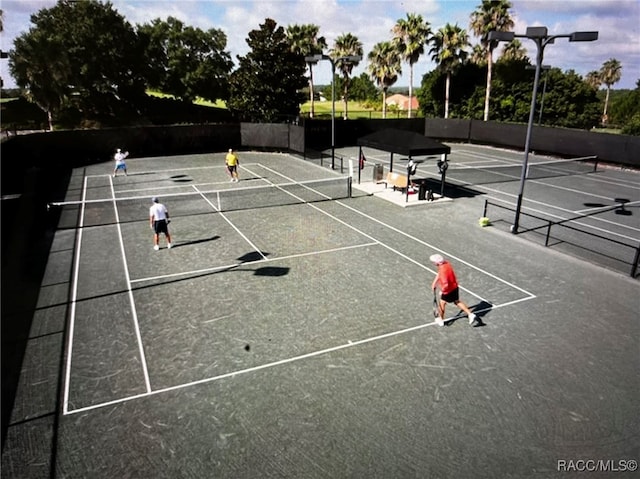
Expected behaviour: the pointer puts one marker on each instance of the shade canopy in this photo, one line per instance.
(404, 142)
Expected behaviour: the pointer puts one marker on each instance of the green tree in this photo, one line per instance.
(385, 65)
(449, 52)
(464, 101)
(490, 15)
(305, 41)
(625, 111)
(73, 55)
(610, 74)
(514, 51)
(593, 79)
(344, 46)
(511, 91)
(410, 36)
(569, 102)
(186, 62)
(363, 89)
(478, 56)
(266, 86)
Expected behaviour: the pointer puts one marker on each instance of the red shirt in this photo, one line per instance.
(446, 278)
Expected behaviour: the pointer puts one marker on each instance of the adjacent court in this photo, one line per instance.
(288, 331)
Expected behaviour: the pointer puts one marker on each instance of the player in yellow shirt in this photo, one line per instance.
(232, 161)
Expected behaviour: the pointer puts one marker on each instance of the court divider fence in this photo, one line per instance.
(548, 225)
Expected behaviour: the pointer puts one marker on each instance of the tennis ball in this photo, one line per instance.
(484, 221)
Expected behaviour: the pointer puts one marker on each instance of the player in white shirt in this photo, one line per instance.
(120, 163)
(159, 223)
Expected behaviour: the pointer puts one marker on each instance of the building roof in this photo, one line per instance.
(403, 101)
(403, 142)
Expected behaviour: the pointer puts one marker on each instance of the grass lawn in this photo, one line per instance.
(356, 110)
(321, 108)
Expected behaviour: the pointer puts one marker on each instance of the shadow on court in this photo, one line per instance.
(481, 310)
(194, 242)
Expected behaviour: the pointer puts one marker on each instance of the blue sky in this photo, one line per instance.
(617, 21)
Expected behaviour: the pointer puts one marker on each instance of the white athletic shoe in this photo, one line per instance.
(472, 318)
(439, 321)
(169, 245)
(156, 247)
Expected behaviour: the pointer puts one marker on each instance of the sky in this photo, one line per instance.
(371, 21)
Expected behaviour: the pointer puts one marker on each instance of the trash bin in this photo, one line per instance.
(422, 191)
(378, 173)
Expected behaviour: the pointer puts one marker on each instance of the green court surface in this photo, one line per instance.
(288, 331)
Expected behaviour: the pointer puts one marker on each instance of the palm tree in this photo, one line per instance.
(478, 56)
(410, 36)
(449, 51)
(610, 73)
(514, 51)
(490, 15)
(593, 79)
(305, 41)
(385, 65)
(345, 45)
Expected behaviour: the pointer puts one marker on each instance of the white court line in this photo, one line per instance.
(256, 249)
(396, 230)
(158, 172)
(74, 297)
(348, 344)
(134, 312)
(235, 265)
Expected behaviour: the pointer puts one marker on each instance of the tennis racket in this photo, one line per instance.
(436, 307)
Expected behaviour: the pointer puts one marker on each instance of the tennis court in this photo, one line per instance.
(288, 331)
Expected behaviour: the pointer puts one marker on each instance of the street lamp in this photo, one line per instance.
(313, 59)
(541, 39)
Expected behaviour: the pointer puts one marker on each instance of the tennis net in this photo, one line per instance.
(484, 174)
(105, 211)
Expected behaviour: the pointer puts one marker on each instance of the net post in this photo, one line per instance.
(546, 240)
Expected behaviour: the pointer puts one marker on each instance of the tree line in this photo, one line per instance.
(83, 60)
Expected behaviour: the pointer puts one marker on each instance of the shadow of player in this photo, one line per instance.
(480, 310)
(190, 243)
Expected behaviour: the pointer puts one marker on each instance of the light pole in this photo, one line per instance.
(541, 39)
(313, 59)
(546, 69)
